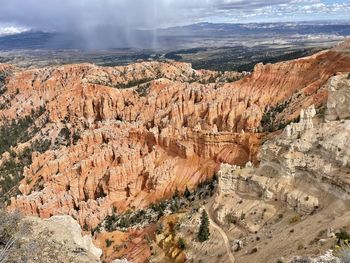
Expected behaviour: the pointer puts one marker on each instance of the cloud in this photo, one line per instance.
(8, 29)
(111, 23)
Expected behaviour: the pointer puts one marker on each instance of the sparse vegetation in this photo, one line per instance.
(187, 193)
(2, 83)
(300, 246)
(175, 205)
(3, 89)
(160, 228)
(342, 249)
(41, 146)
(181, 244)
(11, 171)
(134, 83)
(342, 235)
(12, 230)
(142, 89)
(86, 227)
(321, 111)
(64, 134)
(155, 211)
(349, 76)
(76, 137)
(231, 219)
(295, 219)
(268, 120)
(17, 131)
(141, 84)
(109, 242)
(254, 250)
(159, 208)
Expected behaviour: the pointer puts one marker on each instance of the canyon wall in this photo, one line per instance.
(126, 137)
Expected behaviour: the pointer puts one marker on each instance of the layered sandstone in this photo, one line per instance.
(307, 150)
(300, 186)
(148, 128)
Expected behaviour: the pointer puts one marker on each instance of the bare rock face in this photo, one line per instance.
(300, 165)
(305, 123)
(271, 186)
(326, 258)
(338, 105)
(319, 153)
(304, 171)
(75, 232)
(126, 137)
(59, 239)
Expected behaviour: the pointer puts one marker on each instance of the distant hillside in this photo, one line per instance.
(179, 37)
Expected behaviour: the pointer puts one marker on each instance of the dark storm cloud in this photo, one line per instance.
(97, 23)
(108, 23)
(72, 14)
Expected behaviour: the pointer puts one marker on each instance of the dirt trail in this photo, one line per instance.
(224, 236)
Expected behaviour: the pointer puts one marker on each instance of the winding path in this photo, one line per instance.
(224, 236)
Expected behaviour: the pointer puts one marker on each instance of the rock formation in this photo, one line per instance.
(270, 186)
(58, 239)
(125, 137)
(338, 105)
(303, 170)
(318, 152)
(146, 129)
(326, 258)
(303, 151)
(305, 123)
(73, 229)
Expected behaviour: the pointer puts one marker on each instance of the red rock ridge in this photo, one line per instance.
(139, 144)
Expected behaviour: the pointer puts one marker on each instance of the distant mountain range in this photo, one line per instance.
(210, 29)
(176, 37)
(38, 40)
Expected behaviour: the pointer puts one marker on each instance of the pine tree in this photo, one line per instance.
(176, 194)
(181, 244)
(175, 205)
(203, 233)
(187, 193)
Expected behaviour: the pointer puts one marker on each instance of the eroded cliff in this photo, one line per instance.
(93, 139)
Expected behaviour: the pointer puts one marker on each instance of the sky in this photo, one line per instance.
(112, 19)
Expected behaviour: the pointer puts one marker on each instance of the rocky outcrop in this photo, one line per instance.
(305, 123)
(75, 232)
(326, 258)
(59, 239)
(126, 137)
(300, 165)
(248, 181)
(339, 98)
